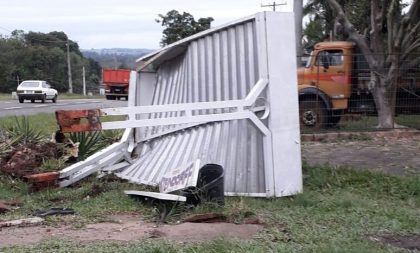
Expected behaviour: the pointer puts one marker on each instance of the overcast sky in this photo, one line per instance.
(116, 24)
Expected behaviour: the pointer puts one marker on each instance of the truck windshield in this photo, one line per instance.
(308, 63)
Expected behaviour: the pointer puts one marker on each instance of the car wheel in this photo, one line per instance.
(32, 100)
(54, 99)
(44, 98)
(21, 100)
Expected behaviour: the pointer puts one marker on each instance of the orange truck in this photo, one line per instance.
(335, 81)
(115, 82)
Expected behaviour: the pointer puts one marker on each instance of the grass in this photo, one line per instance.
(8, 96)
(77, 96)
(370, 122)
(45, 122)
(4, 96)
(337, 212)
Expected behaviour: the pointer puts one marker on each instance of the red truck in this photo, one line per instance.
(115, 82)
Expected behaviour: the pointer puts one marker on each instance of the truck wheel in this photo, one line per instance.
(333, 119)
(54, 100)
(312, 115)
(21, 100)
(110, 97)
(32, 100)
(43, 98)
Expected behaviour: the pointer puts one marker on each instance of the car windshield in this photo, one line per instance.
(29, 84)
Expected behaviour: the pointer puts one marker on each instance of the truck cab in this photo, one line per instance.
(325, 84)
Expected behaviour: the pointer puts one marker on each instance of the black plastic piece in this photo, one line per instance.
(210, 186)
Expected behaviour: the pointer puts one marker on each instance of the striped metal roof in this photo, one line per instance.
(216, 65)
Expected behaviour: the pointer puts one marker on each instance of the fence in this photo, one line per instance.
(335, 93)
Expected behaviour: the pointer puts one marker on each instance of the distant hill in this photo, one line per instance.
(116, 57)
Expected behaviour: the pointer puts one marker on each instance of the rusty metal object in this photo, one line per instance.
(71, 121)
(42, 180)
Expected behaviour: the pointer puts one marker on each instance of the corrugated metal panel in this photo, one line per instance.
(217, 67)
(223, 64)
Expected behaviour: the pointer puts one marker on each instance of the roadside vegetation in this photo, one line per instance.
(8, 96)
(339, 211)
(356, 122)
(43, 56)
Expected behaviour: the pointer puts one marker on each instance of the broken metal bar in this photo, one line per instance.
(70, 121)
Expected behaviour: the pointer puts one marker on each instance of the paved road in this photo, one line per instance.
(13, 107)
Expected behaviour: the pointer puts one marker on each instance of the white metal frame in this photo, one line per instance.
(279, 167)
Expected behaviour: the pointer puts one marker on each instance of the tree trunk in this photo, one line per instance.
(384, 96)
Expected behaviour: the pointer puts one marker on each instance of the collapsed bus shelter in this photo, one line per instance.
(225, 96)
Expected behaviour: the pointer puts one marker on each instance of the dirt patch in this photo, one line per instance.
(126, 228)
(411, 242)
(397, 156)
(26, 159)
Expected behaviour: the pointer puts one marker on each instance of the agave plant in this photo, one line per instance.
(111, 136)
(89, 143)
(22, 132)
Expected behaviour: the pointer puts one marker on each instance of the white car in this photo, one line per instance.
(36, 90)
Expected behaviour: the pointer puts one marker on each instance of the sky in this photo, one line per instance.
(117, 24)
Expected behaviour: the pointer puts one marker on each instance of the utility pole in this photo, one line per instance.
(69, 68)
(273, 5)
(298, 11)
(17, 79)
(84, 81)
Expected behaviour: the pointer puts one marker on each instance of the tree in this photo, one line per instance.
(322, 19)
(313, 33)
(179, 26)
(26, 56)
(388, 46)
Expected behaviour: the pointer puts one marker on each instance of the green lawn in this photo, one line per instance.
(45, 122)
(4, 96)
(337, 212)
(368, 123)
(355, 123)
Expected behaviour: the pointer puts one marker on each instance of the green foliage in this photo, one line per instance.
(116, 59)
(45, 122)
(179, 26)
(21, 131)
(111, 136)
(43, 56)
(337, 212)
(322, 20)
(52, 164)
(313, 32)
(89, 143)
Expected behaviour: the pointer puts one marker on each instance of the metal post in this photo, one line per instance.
(273, 5)
(69, 68)
(84, 81)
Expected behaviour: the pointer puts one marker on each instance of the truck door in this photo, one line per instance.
(332, 77)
